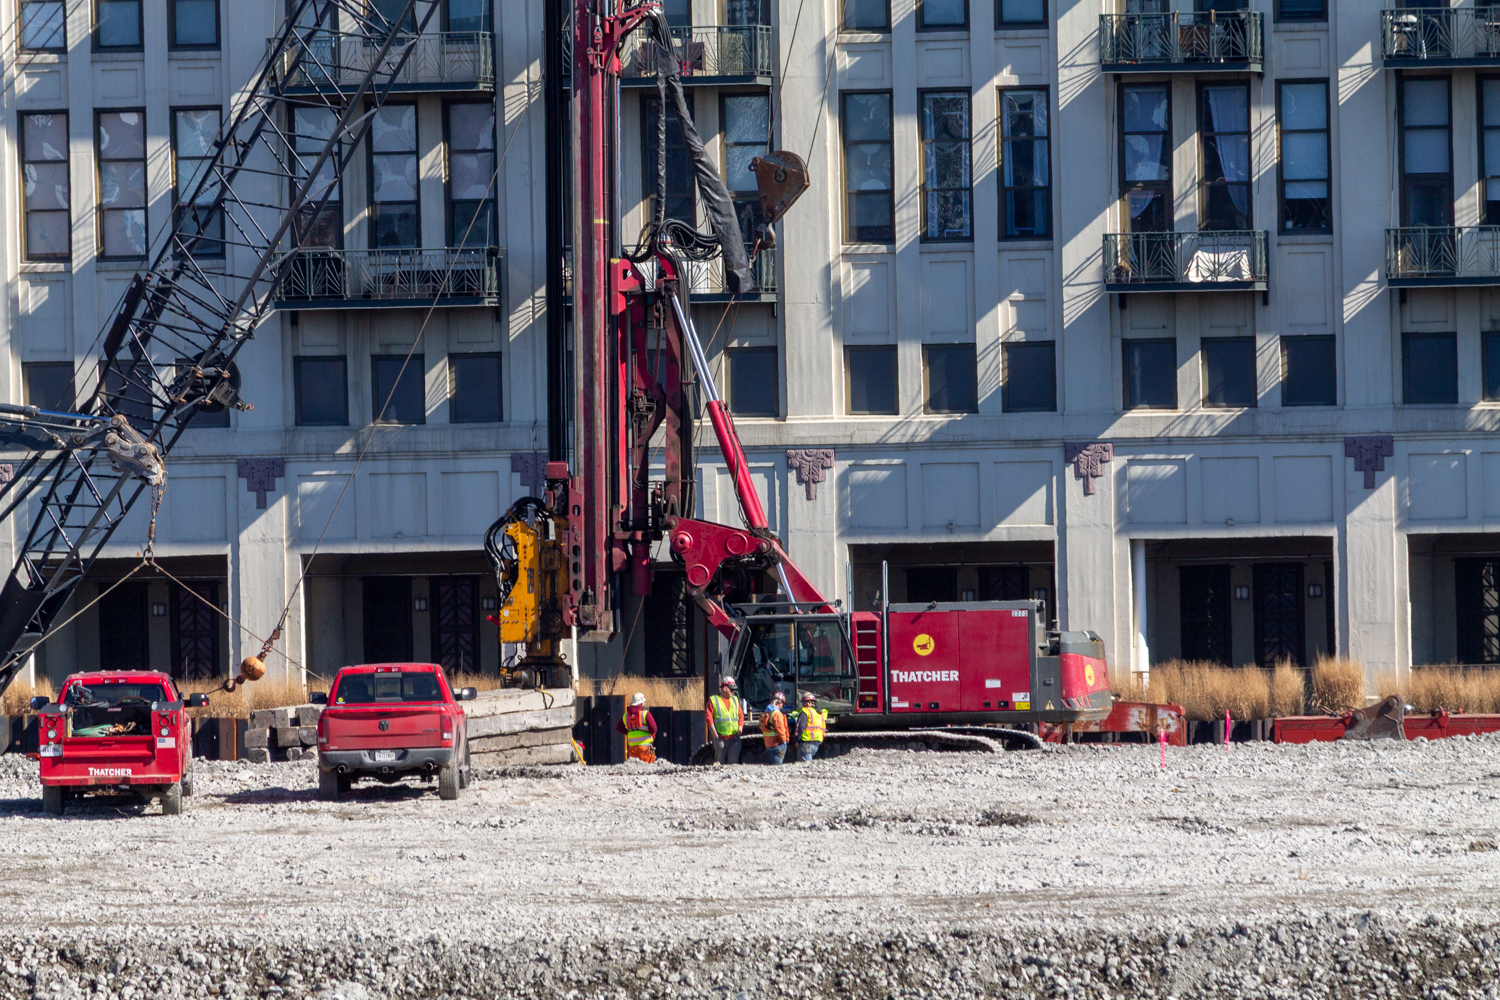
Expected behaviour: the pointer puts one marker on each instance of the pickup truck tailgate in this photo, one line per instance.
(383, 726)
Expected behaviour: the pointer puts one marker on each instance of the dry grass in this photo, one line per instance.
(1338, 685)
(1206, 690)
(660, 692)
(1445, 686)
(17, 698)
(1288, 684)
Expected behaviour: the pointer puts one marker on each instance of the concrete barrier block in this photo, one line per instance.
(257, 738)
(257, 755)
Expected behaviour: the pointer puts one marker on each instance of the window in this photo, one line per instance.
(680, 202)
(942, 15)
(1301, 10)
(49, 384)
(1224, 131)
(474, 389)
(471, 176)
(118, 24)
(754, 389)
(44, 26)
(203, 418)
(1146, 157)
(194, 24)
(387, 12)
(455, 623)
(1477, 605)
(195, 630)
(946, 203)
(1426, 166)
(747, 12)
(1489, 148)
(194, 131)
(679, 13)
(869, 209)
(747, 134)
(871, 383)
(1228, 371)
(1309, 374)
(124, 643)
(468, 15)
(1025, 171)
(867, 15)
(121, 151)
(1020, 13)
(950, 381)
(394, 208)
(1491, 349)
(1150, 374)
(1028, 377)
(1429, 368)
(399, 397)
(322, 388)
(1305, 163)
(44, 166)
(324, 227)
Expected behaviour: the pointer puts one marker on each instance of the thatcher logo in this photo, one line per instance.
(109, 772)
(1088, 674)
(923, 645)
(924, 676)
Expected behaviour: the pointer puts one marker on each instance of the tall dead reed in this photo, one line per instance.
(1338, 685)
(17, 698)
(1445, 686)
(1205, 691)
(660, 692)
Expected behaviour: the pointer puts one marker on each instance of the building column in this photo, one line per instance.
(1371, 576)
(1142, 658)
(1086, 573)
(259, 570)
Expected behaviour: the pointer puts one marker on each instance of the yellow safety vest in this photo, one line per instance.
(814, 726)
(726, 714)
(636, 737)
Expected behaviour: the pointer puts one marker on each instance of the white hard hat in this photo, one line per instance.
(637, 699)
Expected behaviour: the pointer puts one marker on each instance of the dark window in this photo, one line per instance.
(1025, 165)
(1205, 620)
(194, 131)
(468, 15)
(1489, 148)
(747, 12)
(1330, 628)
(680, 201)
(455, 623)
(117, 24)
(120, 138)
(399, 397)
(324, 227)
(322, 387)
(1020, 13)
(746, 120)
(1491, 349)
(1429, 368)
(1224, 130)
(869, 210)
(1004, 583)
(49, 384)
(123, 641)
(394, 208)
(1477, 600)
(474, 387)
(950, 381)
(1150, 374)
(1228, 371)
(388, 631)
(1426, 163)
(45, 186)
(387, 15)
(867, 15)
(44, 26)
(667, 621)
(127, 390)
(194, 24)
(1309, 372)
(1028, 376)
(1278, 614)
(1305, 164)
(471, 176)
(1146, 157)
(872, 379)
(753, 388)
(926, 584)
(195, 630)
(218, 417)
(679, 13)
(1301, 10)
(947, 206)
(942, 15)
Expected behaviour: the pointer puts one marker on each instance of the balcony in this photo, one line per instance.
(1440, 36)
(1442, 256)
(325, 62)
(1211, 261)
(706, 278)
(317, 278)
(707, 56)
(1182, 42)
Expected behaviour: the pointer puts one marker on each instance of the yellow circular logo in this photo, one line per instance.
(923, 644)
(1088, 674)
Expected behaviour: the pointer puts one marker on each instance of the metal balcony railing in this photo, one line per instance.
(1201, 42)
(314, 278)
(706, 278)
(706, 53)
(1440, 36)
(1442, 255)
(1216, 260)
(325, 61)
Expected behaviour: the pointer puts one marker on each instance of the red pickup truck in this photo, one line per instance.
(390, 721)
(116, 732)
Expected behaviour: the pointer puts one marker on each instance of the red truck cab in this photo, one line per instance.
(390, 721)
(116, 732)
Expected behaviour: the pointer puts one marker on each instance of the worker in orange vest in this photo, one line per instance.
(773, 728)
(725, 718)
(640, 730)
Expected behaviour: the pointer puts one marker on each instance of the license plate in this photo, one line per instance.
(50, 750)
(384, 755)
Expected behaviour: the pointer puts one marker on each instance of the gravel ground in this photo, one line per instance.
(1332, 870)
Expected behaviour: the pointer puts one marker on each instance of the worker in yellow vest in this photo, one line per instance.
(639, 728)
(725, 718)
(811, 726)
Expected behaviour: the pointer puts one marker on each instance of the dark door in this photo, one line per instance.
(387, 619)
(455, 623)
(669, 626)
(1004, 583)
(123, 644)
(926, 584)
(195, 630)
(1204, 600)
(1278, 614)
(1477, 600)
(1330, 622)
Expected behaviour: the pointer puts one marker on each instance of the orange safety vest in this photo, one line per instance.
(814, 726)
(726, 714)
(637, 737)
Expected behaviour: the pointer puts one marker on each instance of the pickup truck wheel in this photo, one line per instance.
(448, 781)
(329, 786)
(187, 779)
(52, 800)
(465, 773)
(171, 800)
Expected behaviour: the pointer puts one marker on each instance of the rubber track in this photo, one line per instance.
(959, 740)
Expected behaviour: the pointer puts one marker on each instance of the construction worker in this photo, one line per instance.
(725, 717)
(773, 728)
(811, 727)
(640, 730)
